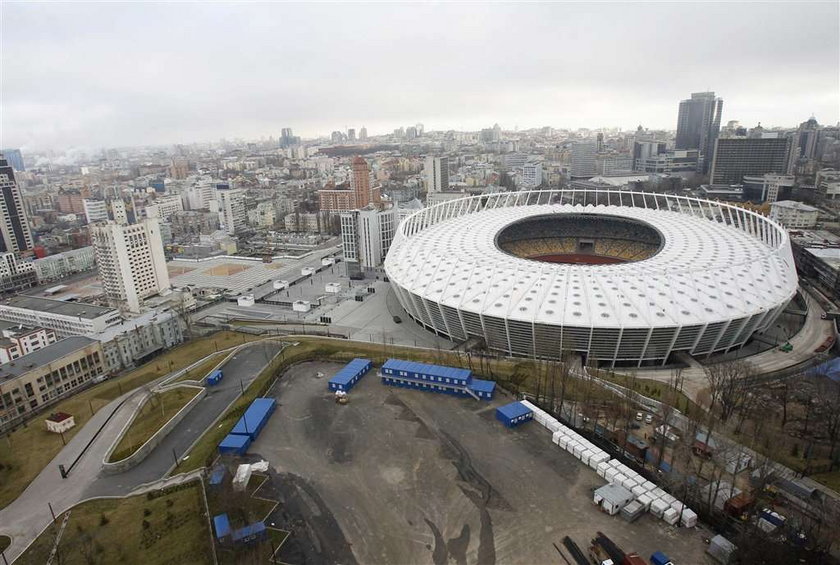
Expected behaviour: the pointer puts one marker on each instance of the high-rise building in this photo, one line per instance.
(360, 182)
(14, 227)
(233, 217)
(287, 138)
(14, 157)
(179, 169)
(351, 134)
(531, 175)
(437, 174)
(363, 134)
(698, 125)
(737, 157)
(583, 159)
(366, 236)
(95, 210)
(807, 140)
(199, 195)
(131, 262)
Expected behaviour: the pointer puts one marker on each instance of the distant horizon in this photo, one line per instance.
(145, 74)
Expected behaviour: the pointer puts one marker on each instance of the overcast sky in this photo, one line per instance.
(91, 75)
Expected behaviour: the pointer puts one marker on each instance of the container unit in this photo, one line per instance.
(638, 491)
(649, 485)
(658, 507)
(619, 479)
(577, 450)
(234, 444)
(645, 500)
(688, 518)
(251, 533)
(657, 493)
(671, 516)
(632, 511)
(669, 499)
(221, 525)
(629, 483)
(349, 375)
(255, 418)
(612, 498)
(563, 441)
(585, 455)
(721, 550)
(215, 378)
(602, 468)
(437, 378)
(599, 458)
(514, 414)
(610, 473)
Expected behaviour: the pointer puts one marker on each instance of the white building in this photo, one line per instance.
(60, 265)
(366, 235)
(66, 318)
(164, 208)
(531, 175)
(132, 342)
(119, 211)
(583, 159)
(232, 215)
(828, 183)
(437, 174)
(199, 195)
(794, 215)
(15, 273)
(17, 340)
(769, 184)
(95, 210)
(131, 262)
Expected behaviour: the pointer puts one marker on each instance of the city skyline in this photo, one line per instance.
(125, 75)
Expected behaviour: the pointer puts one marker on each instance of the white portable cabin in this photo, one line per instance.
(669, 499)
(638, 491)
(555, 437)
(619, 479)
(564, 441)
(649, 485)
(612, 498)
(657, 493)
(584, 457)
(597, 458)
(658, 507)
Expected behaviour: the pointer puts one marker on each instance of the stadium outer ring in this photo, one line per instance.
(723, 274)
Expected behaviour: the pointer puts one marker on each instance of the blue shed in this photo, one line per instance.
(215, 378)
(217, 475)
(255, 418)
(350, 374)
(222, 526)
(482, 389)
(250, 533)
(513, 414)
(234, 443)
(426, 372)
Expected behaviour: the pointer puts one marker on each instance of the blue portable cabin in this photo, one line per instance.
(427, 372)
(234, 444)
(217, 475)
(215, 378)
(255, 418)
(482, 389)
(221, 524)
(350, 374)
(660, 558)
(250, 533)
(513, 414)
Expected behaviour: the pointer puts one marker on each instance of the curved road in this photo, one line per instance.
(25, 518)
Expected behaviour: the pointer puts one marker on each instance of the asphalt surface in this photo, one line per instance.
(30, 513)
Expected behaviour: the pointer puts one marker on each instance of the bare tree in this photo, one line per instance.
(727, 389)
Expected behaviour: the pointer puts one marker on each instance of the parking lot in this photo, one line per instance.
(403, 476)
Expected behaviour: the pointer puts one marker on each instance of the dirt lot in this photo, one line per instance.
(403, 476)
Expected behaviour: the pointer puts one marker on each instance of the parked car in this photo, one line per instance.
(649, 419)
(397, 320)
(639, 416)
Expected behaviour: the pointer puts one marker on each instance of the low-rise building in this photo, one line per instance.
(794, 215)
(33, 381)
(66, 318)
(17, 340)
(135, 341)
(15, 273)
(61, 265)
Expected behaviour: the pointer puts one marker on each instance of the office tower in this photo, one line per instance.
(410, 132)
(420, 129)
(232, 215)
(739, 156)
(119, 212)
(366, 236)
(130, 260)
(351, 134)
(95, 210)
(14, 227)
(287, 138)
(531, 175)
(599, 142)
(807, 140)
(360, 183)
(698, 125)
(583, 159)
(14, 157)
(199, 196)
(437, 174)
(363, 134)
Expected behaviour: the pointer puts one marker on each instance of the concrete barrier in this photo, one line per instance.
(144, 450)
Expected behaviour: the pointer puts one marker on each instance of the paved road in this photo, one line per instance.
(27, 516)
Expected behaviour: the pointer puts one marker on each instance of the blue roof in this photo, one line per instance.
(249, 530)
(830, 369)
(235, 441)
(350, 370)
(427, 369)
(221, 525)
(217, 475)
(254, 416)
(513, 410)
(480, 385)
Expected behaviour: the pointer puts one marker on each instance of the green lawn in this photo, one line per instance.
(26, 451)
(163, 527)
(156, 411)
(200, 371)
(831, 480)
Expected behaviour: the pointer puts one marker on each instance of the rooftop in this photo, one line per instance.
(58, 307)
(794, 205)
(43, 356)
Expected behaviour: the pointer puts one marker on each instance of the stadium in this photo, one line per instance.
(623, 278)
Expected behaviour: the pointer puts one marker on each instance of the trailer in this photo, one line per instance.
(514, 414)
(234, 444)
(349, 375)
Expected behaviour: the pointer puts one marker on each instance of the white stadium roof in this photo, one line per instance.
(706, 271)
